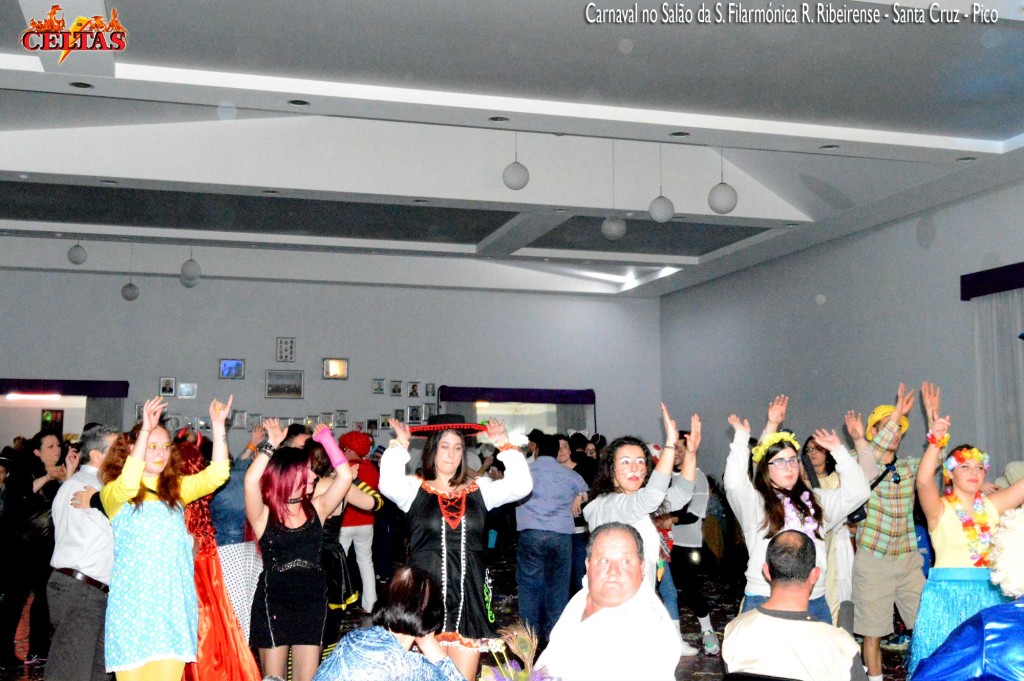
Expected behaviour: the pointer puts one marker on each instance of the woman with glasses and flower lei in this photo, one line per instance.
(778, 499)
(152, 626)
(960, 522)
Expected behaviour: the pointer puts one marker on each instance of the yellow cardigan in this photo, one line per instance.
(117, 493)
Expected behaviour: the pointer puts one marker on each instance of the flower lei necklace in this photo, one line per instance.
(979, 535)
(796, 520)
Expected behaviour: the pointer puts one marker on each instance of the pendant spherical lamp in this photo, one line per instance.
(129, 291)
(613, 228)
(661, 209)
(77, 254)
(722, 198)
(515, 176)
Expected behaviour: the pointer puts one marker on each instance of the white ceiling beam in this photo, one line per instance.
(520, 231)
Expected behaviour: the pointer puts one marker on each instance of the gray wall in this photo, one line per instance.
(838, 326)
(76, 326)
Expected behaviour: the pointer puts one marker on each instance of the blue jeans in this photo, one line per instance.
(579, 561)
(818, 607)
(668, 593)
(543, 564)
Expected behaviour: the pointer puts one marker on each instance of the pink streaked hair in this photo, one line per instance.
(284, 471)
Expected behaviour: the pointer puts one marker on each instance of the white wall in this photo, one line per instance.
(838, 326)
(24, 417)
(76, 326)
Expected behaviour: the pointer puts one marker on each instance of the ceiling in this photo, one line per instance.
(367, 140)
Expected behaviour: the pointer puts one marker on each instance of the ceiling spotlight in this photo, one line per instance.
(129, 291)
(722, 198)
(81, 85)
(829, 146)
(613, 228)
(679, 133)
(967, 159)
(498, 119)
(108, 182)
(77, 254)
(515, 176)
(661, 208)
(298, 102)
(420, 201)
(271, 192)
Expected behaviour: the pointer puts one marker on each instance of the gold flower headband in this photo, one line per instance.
(774, 439)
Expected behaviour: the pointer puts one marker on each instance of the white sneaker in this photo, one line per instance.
(711, 646)
(688, 650)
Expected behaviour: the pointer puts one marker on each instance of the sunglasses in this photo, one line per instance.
(895, 476)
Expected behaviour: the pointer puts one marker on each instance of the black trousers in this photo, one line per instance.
(689, 579)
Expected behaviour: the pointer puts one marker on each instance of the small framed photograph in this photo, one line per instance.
(172, 422)
(371, 426)
(327, 418)
(166, 386)
(399, 415)
(284, 383)
(384, 418)
(377, 386)
(360, 426)
(429, 390)
(232, 368)
(341, 418)
(138, 411)
(255, 420)
(310, 422)
(189, 422)
(414, 413)
(429, 409)
(285, 350)
(187, 391)
(239, 419)
(395, 388)
(336, 368)
(203, 423)
(414, 389)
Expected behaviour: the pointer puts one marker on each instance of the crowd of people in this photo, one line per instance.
(159, 555)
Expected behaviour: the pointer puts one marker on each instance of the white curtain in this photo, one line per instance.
(999, 361)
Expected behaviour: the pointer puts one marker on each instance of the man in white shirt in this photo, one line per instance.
(616, 628)
(780, 637)
(83, 557)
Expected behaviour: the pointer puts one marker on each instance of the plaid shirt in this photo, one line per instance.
(888, 530)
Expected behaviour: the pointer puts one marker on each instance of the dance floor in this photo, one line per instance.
(723, 596)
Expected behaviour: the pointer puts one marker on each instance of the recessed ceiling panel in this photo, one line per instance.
(583, 233)
(233, 213)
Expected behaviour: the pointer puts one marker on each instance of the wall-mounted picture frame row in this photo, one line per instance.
(396, 388)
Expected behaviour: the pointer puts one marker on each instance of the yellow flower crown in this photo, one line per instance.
(774, 439)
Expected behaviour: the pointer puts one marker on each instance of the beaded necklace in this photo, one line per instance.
(979, 535)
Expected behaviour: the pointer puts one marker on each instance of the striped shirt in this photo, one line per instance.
(888, 530)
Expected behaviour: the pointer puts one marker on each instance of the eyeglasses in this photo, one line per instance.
(783, 464)
(640, 461)
(158, 445)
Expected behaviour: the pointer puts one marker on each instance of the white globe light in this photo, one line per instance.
(77, 254)
(661, 209)
(129, 291)
(515, 176)
(722, 198)
(189, 283)
(613, 228)
(190, 269)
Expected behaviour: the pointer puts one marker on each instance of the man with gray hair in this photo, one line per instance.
(82, 560)
(616, 628)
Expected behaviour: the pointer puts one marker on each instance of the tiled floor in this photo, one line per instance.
(722, 596)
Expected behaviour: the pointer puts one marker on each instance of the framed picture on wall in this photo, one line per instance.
(377, 386)
(203, 423)
(138, 411)
(400, 415)
(166, 386)
(429, 390)
(414, 389)
(384, 418)
(285, 350)
(371, 426)
(429, 409)
(187, 391)
(232, 368)
(255, 420)
(341, 418)
(360, 426)
(395, 388)
(284, 383)
(336, 368)
(327, 418)
(414, 413)
(172, 422)
(239, 419)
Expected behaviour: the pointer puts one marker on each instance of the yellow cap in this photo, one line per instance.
(881, 412)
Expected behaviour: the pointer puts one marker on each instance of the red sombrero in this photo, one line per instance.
(436, 424)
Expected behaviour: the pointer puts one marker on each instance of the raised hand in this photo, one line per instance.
(151, 411)
(671, 430)
(258, 434)
(931, 397)
(275, 433)
(402, 433)
(693, 439)
(219, 411)
(855, 425)
(777, 409)
(904, 402)
(496, 432)
(322, 433)
(71, 463)
(739, 425)
(827, 439)
(940, 427)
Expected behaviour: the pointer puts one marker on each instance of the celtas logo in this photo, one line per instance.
(84, 34)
